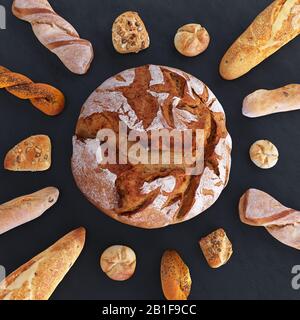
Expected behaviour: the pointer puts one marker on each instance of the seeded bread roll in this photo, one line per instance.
(175, 276)
(129, 34)
(216, 248)
(278, 24)
(31, 154)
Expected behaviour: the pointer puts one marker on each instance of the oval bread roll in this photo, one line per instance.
(31, 154)
(264, 102)
(175, 276)
(26, 208)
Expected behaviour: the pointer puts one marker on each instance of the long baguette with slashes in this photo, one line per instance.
(273, 28)
(56, 34)
(38, 278)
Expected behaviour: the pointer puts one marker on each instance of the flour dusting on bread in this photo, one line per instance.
(142, 194)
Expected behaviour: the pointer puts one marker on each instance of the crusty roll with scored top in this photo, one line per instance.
(258, 208)
(278, 24)
(148, 99)
(46, 98)
(56, 34)
(38, 278)
(26, 208)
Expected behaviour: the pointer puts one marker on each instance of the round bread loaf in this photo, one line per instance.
(147, 99)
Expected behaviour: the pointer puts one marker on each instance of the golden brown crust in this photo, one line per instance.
(278, 24)
(46, 98)
(175, 277)
(217, 248)
(264, 154)
(129, 33)
(145, 99)
(191, 40)
(31, 154)
(38, 278)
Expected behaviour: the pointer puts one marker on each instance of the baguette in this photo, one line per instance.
(264, 102)
(26, 208)
(56, 34)
(38, 278)
(31, 154)
(278, 24)
(47, 99)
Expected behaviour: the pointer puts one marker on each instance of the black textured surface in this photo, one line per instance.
(260, 267)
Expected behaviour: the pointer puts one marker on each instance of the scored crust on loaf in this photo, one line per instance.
(150, 98)
(274, 27)
(38, 278)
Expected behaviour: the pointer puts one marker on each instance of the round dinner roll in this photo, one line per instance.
(142, 102)
(191, 40)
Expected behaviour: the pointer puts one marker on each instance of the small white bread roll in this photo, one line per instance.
(263, 102)
(264, 154)
(118, 262)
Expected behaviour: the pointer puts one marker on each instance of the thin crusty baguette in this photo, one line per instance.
(278, 24)
(263, 102)
(38, 278)
(26, 208)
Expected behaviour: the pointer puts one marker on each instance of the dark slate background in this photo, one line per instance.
(260, 267)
